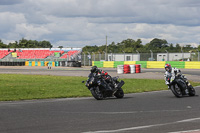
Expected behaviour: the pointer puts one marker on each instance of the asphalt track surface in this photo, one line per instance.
(149, 112)
(192, 74)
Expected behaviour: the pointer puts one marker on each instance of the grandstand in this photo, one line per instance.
(70, 53)
(36, 54)
(39, 54)
(4, 53)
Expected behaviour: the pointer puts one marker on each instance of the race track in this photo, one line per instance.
(150, 112)
(192, 74)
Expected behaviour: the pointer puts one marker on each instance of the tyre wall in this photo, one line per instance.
(53, 64)
(149, 64)
(108, 64)
(12, 63)
(192, 65)
(177, 64)
(43, 63)
(155, 64)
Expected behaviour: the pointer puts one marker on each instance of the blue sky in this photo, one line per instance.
(77, 23)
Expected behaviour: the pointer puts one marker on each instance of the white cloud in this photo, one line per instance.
(30, 31)
(8, 21)
(10, 2)
(76, 23)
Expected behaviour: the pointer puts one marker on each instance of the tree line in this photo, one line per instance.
(128, 46)
(133, 46)
(24, 43)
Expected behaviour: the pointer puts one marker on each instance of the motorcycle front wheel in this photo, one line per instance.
(176, 90)
(96, 93)
(191, 90)
(119, 93)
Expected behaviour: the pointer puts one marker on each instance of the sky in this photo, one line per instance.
(77, 23)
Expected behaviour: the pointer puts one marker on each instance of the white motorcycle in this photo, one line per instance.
(180, 86)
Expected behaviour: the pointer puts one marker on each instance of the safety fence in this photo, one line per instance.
(42, 63)
(86, 59)
(149, 64)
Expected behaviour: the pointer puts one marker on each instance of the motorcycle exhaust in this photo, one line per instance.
(120, 84)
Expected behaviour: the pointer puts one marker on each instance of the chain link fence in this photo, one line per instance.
(86, 59)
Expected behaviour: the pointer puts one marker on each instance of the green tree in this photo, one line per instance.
(60, 47)
(45, 44)
(2, 45)
(158, 43)
(13, 45)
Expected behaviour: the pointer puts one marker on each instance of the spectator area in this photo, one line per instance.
(37, 53)
(4, 53)
(69, 53)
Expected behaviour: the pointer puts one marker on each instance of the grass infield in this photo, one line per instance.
(24, 87)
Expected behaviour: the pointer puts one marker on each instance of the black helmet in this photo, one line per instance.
(93, 69)
(168, 67)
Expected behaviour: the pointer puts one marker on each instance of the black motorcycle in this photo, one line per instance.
(180, 86)
(100, 89)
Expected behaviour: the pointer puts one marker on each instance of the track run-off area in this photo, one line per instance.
(148, 112)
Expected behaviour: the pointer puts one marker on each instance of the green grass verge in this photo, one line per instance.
(22, 87)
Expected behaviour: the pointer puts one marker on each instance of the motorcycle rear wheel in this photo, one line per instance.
(119, 93)
(96, 93)
(176, 90)
(191, 90)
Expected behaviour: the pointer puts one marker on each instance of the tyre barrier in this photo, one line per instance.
(73, 64)
(120, 69)
(137, 68)
(42, 63)
(70, 64)
(126, 69)
(152, 64)
(132, 68)
(12, 63)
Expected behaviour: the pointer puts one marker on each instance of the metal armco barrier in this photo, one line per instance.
(150, 64)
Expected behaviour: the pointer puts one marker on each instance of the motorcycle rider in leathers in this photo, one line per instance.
(170, 72)
(105, 75)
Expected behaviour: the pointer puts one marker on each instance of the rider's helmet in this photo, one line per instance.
(94, 69)
(168, 67)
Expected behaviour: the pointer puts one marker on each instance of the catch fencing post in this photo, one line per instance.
(151, 55)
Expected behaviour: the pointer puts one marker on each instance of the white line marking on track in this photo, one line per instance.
(125, 129)
(133, 112)
(189, 120)
(143, 127)
(188, 131)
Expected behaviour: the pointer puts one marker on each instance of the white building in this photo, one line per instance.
(123, 57)
(173, 56)
(160, 56)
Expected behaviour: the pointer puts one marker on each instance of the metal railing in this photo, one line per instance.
(87, 58)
